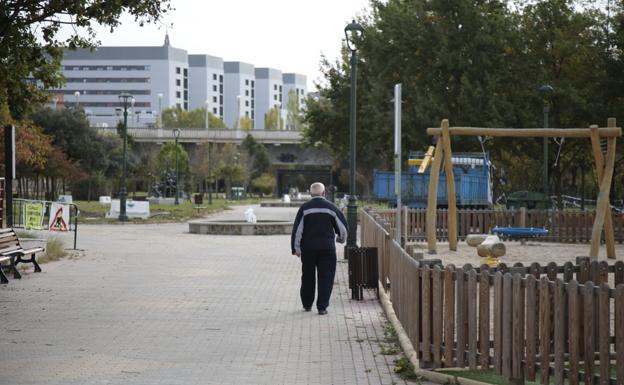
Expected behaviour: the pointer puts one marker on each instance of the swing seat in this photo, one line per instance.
(520, 232)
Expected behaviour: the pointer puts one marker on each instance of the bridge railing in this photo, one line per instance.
(202, 134)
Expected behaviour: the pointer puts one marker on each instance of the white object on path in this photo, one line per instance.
(250, 217)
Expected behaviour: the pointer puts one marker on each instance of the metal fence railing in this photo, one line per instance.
(58, 223)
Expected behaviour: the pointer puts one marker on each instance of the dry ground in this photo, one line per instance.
(532, 251)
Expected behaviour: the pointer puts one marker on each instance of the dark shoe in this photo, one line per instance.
(322, 311)
(307, 309)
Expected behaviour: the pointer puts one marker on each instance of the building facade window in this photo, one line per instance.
(178, 82)
(214, 76)
(178, 94)
(214, 88)
(246, 92)
(246, 82)
(214, 99)
(178, 70)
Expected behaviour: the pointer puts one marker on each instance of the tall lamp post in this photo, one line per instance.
(353, 32)
(546, 90)
(206, 103)
(124, 98)
(160, 122)
(176, 134)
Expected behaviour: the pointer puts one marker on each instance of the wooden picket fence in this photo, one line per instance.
(553, 323)
(563, 226)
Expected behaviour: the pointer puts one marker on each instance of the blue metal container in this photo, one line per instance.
(472, 183)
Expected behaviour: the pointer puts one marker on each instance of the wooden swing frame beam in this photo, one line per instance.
(604, 171)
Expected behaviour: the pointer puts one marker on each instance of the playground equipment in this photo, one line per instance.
(604, 170)
(471, 175)
(489, 247)
(520, 232)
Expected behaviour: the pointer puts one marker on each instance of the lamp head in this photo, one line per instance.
(176, 133)
(124, 98)
(353, 33)
(546, 90)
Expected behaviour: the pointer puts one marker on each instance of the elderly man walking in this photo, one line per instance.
(318, 225)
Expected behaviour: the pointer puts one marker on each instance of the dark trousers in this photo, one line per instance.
(323, 263)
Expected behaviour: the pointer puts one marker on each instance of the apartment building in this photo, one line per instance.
(238, 93)
(156, 77)
(206, 86)
(163, 77)
(269, 88)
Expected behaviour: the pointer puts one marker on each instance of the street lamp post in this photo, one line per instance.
(160, 97)
(124, 98)
(353, 32)
(133, 111)
(176, 134)
(206, 115)
(206, 103)
(545, 91)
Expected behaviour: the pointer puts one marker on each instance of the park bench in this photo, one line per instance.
(13, 252)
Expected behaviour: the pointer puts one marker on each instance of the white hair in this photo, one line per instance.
(317, 189)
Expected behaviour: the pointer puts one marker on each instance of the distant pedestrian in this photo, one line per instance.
(318, 225)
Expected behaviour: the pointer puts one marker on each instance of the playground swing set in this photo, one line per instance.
(604, 171)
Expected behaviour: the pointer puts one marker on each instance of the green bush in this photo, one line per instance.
(99, 186)
(265, 183)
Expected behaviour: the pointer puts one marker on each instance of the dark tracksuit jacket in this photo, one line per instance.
(317, 223)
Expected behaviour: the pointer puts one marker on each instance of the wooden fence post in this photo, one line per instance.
(450, 186)
(432, 198)
(602, 203)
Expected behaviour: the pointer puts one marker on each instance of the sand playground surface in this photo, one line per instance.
(532, 251)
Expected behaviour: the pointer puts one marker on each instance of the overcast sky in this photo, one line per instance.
(289, 35)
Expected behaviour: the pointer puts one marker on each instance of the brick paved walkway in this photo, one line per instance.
(153, 304)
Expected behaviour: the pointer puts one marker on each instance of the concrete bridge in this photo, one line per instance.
(199, 135)
(293, 164)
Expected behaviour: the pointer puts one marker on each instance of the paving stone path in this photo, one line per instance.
(153, 304)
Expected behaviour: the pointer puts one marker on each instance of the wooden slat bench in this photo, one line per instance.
(14, 253)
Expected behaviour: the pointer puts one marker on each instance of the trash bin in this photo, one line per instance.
(198, 199)
(363, 270)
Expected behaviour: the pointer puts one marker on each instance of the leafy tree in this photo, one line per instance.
(257, 158)
(294, 117)
(31, 48)
(273, 119)
(245, 123)
(178, 118)
(265, 183)
(477, 63)
(230, 166)
(165, 160)
(71, 132)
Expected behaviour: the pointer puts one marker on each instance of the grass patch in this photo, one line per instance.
(94, 212)
(404, 368)
(55, 250)
(23, 234)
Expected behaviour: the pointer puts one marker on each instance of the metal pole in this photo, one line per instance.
(210, 173)
(177, 202)
(397, 158)
(122, 189)
(9, 171)
(352, 205)
(545, 181)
